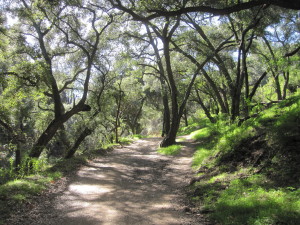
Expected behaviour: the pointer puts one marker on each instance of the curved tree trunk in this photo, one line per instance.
(50, 131)
(80, 139)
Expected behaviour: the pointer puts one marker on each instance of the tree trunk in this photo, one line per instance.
(286, 83)
(275, 71)
(236, 97)
(136, 125)
(277, 87)
(206, 111)
(185, 117)
(45, 137)
(52, 128)
(218, 60)
(170, 139)
(242, 72)
(216, 91)
(256, 85)
(117, 120)
(162, 79)
(224, 94)
(80, 139)
(18, 157)
(166, 117)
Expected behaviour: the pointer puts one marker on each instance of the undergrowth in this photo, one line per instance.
(249, 173)
(20, 190)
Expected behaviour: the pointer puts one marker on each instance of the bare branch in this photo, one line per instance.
(292, 52)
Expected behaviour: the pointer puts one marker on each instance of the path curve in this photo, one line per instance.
(131, 185)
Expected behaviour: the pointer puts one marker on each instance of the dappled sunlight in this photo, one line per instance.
(88, 189)
(134, 185)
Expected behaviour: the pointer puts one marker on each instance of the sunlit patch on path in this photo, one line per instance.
(132, 185)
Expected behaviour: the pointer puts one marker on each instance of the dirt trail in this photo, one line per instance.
(131, 185)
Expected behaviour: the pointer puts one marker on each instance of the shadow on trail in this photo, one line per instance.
(131, 185)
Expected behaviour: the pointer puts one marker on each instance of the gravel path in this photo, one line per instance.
(131, 185)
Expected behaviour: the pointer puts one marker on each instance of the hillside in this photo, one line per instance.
(249, 173)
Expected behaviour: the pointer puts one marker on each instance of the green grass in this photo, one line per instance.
(200, 134)
(138, 136)
(180, 139)
(188, 129)
(126, 140)
(200, 155)
(254, 200)
(110, 146)
(15, 192)
(170, 150)
(21, 189)
(247, 201)
(231, 189)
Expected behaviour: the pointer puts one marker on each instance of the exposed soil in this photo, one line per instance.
(130, 185)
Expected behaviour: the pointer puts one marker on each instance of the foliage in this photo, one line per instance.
(74, 66)
(19, 191)
(201, 134)
(188, 129)
(37, 167)
(125, 141)
(201, 154)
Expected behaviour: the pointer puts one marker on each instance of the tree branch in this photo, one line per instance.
(292, 52)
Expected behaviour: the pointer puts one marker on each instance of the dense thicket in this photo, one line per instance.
(77, 71)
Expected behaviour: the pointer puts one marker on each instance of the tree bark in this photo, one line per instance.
(50, 131)
(216, 91)
(18, 158)
(275, 71)
(185, 117)
(242, 73)
(162, 79)
(206, 111)
(286, 83)
(256, 85)
(217, 60)
(288, 4)
(166, 116)
(207, 77)
(86, 132)
(170, 139)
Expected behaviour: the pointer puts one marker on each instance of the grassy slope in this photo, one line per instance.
(250, 174)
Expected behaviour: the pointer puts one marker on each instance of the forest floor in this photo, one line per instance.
(131, 185)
